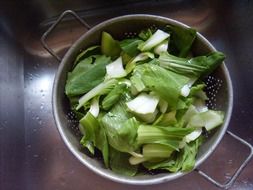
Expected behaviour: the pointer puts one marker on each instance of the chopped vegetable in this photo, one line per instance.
(87, 74)
(162, 47)
(102, 88)
(94, 107)
(140, 101)
(143, 104)
(154, 40)
(109, 46)
(115, 69)
(114, 96)
(196, 66)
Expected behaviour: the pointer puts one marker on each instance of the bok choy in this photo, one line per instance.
(141, 100)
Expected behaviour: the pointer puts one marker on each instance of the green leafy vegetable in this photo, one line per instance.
(142, 101)
(109, 46)
(146, 34)
(121, 128)
(93, 50)
(130, 46)
(165, 83)
(170, 136)
(94, 135)
(181, 40)
(102, 88)
(197, 66)
(86, 76)
(120, 164)
(154, 40)
(114, 96)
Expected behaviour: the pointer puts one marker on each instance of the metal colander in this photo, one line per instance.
(219, 91)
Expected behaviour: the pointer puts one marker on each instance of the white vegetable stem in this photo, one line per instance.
(143, 104)
(162, 47)
(94, 107)
(185, 90)
(154, 40)
(115, 69)
(193, 135)
(98, 90)
(209, 119)
(143, 56)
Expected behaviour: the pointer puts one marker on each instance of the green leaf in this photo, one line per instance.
(88, 144)
(101, 143)
(159, 165)
(129, 46)
(146, 34)
(89, 125)
(120, 164)
(101, 89)
(158, 37)
(197, 66)
(170, 136)
(83, 66)
(183, 160)
(186, 158)
(121, 133)
(156, 151)
(181, 40)
(166, 119)
(208, 119)
(113, 97)
(94, 135)
(142, 57)
(196, 89)
(165, 83)
(137, 82)
(91, 51)
(86, 77)
(109, 46)
(121, 128)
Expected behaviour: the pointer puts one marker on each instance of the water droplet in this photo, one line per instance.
(40, 122)
(42, 106)
(29, 146)
(41, 90)
(35, 155)
(37, 117)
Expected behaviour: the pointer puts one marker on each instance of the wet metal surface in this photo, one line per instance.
(32, 154)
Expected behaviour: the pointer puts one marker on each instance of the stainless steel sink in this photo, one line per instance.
(32, 154)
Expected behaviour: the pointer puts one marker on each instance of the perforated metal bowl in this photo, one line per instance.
(219, 90)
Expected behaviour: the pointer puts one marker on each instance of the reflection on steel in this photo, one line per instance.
(44, 36)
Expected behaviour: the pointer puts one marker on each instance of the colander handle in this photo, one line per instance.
(54, 25)
(238, 171)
